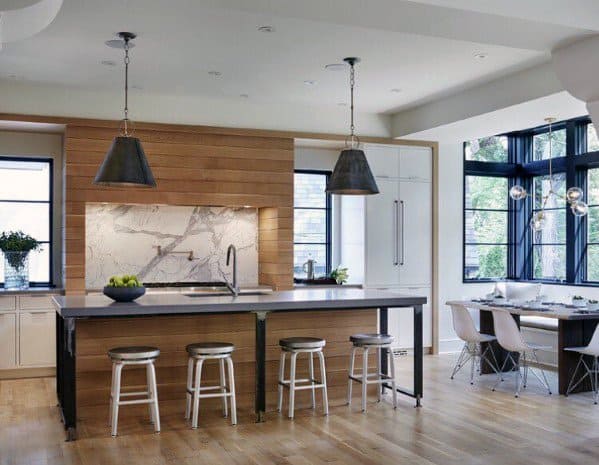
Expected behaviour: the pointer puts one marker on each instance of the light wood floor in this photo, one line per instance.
(458, 424)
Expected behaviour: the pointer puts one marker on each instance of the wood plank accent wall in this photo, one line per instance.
(191, 168)
(171, 334)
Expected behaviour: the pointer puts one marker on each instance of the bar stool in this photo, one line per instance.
(198, 353)
(140, 355)
(366, 342)
(300, 345)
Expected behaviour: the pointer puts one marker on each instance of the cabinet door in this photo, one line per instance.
(8, 340)
(415, 233)
(37, 339)
(383, 160)
(401, 320)
(382, 242)
(415, 163)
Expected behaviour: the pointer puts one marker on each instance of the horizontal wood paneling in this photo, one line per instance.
(191, 167)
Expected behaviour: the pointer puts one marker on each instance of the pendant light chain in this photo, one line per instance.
(126, 109)
(352, 83)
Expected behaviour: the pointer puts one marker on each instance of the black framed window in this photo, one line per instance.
(485, 227)
(26, 205)
(312, 222)
(566, 249)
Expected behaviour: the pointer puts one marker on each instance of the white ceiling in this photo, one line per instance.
(425, 48)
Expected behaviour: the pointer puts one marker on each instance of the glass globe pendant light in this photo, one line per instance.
(573, 197)
(125, 163)
(352, 175)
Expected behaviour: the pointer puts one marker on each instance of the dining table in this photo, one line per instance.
(575, 328)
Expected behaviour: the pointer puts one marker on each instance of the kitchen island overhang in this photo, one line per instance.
(71, 308)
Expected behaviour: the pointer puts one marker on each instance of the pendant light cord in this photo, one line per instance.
(352, 82)
(126, 109)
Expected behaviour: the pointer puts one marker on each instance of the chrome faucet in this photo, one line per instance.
(232, 286)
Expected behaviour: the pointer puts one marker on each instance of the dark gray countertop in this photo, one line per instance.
(83, 306)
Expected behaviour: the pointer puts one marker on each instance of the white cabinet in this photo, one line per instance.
(415, 163)
(36, 338)
(8, 340)
(8, 303)
(383, 160)
(401, 320)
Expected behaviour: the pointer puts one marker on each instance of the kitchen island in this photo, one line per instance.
(87, 324)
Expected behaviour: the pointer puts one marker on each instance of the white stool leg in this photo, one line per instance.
(323, 375)
(223, 386)
(117, 397)
(149, 390)
(196, 393)
(232, 389)
(392, 373)
(281, 379)
(379, 387)
(190, 366)
(155, 397)
(293, 358)
(364, 378)
(311, 369)
(111, 394)
(350, 381)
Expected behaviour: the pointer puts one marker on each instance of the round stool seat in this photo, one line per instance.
(134, 353)
(371, 339)
(302, 342)
(210, 348)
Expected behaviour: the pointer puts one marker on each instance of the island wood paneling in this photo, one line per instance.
(191, 167)
(171, 334)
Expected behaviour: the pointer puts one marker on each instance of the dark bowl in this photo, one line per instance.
(124, 294)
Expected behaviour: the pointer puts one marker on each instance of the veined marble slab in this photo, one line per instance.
(122, 239)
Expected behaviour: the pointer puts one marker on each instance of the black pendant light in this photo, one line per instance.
(352, 175)
(125, 163)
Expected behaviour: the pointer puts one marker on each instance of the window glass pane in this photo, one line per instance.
(486, 227)
(31, 218)
(486, 192)
(542, 186)
(593, 224)
(593, 186)
(303, 252)
(39, 265)
(592, 140)
(593, 263)
(540, 145)
(485, 261)
(310, 226)
(549, 262)
(554, 231)
(24, 180)
(309, 190)
(492, 148)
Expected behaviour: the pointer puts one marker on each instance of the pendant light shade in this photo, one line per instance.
(125, 164)
(352, 175)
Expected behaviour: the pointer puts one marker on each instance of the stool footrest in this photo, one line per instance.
(136, 401)
(377, 379)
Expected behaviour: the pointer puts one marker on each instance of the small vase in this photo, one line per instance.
(16, 270)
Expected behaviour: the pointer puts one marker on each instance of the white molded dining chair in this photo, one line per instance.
(463, 324)
(510, 338)
(592, 372)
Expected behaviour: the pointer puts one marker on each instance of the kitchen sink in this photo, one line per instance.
(208, 291)
(224, 293)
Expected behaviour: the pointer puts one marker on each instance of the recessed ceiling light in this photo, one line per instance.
(266, 29)
(108, 62)
(310, 82)
(342, 104)
(335, 67)
(396, 90)
(244, 95)
(481, 55)
(215, 73)
(137, 87)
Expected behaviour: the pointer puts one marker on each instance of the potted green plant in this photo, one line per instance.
(16, 246)
(579, 301)
(339, 274)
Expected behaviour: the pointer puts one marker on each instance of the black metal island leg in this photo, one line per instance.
(260, 398)
(65, 374)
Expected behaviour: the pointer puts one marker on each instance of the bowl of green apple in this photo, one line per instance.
(124, 288)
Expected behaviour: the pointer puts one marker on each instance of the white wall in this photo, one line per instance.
(28, 144)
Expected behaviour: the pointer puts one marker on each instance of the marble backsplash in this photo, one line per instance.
(123, 239)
